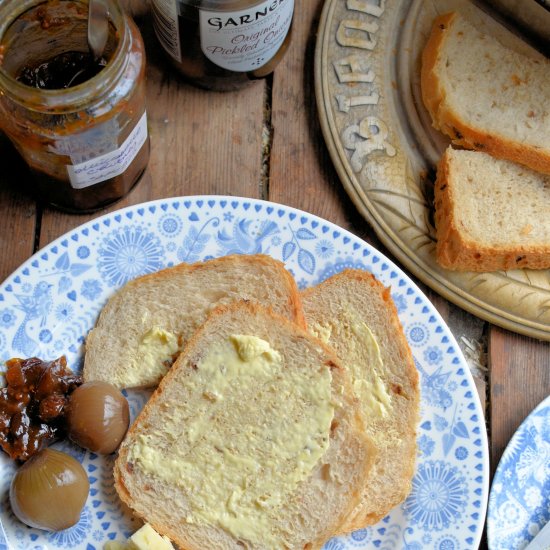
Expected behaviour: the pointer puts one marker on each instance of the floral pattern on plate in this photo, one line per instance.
(51, 302)
(519, 505)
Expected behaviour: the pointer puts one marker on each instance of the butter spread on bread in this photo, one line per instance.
(146, 322)
(356, 314)
(369, 387)
(371, 390)
(232, 477)
(155, 353)
(253, 438)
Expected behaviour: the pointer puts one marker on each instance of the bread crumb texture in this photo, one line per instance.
(491, 214)
(232, 464)
(486, 96)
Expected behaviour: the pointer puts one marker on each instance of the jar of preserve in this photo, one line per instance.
(79, 122)
(223, 44)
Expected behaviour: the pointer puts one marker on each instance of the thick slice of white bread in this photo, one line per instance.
(490, 214)
(146, 323)
(355, 314)
(485, 96)
(252, 440)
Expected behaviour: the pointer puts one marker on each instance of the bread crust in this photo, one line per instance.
(377, 499)
(222, 262)
(456, 251)
(246, 309)
(446, 120)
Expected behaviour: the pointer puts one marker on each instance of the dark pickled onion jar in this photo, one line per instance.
(223, 44)
(79, 123)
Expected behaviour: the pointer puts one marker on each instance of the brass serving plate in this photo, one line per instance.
(367, 72)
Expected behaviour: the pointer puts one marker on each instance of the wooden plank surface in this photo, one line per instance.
(17, 212)
(519, 381)
(301, 172)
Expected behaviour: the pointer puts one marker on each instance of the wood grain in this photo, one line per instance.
(17, 211)
(519, 381)
(301, 172)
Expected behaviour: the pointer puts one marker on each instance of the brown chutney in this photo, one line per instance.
(32, 404)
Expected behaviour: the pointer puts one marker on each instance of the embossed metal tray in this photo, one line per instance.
(367, 83)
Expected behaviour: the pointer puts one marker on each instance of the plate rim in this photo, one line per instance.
(181, 199)
(498, 472)
(449, 291)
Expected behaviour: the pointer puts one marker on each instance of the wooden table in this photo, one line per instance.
(265, 142)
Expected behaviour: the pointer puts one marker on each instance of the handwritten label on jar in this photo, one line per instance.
(90, 143)
(111, 164)
(245, 40)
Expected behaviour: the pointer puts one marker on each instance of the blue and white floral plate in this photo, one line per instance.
(519, 505)
(50, 303)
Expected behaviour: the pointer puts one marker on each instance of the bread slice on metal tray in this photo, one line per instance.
(490, 214)
(355, 315)
(147, 322)
(252, 440)
(485, 96)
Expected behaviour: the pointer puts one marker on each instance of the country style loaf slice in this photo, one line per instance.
(252, 440)
(355, 314)
(490, 214)
(146, 323)
(485, 96)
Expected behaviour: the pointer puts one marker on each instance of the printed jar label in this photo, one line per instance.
(245, 40)
(165, 21)
(110, 164)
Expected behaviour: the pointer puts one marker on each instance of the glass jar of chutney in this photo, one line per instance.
(223, 44)
(79, 122)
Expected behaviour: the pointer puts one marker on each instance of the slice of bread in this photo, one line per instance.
(490, 214)
(252, 440)
(146, 323)
(356, 316)
(485, 96)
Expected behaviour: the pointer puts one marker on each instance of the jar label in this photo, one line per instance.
(165, 21)
(245, 40)
(109, 165)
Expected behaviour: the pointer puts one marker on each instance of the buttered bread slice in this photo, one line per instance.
(145, 325)
(252, 440)
(354, 313)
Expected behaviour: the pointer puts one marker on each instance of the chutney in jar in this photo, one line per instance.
(80, 127)
(62, 71)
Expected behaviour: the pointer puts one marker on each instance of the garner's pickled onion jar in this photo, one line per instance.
(79, 123)
(223, 44)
